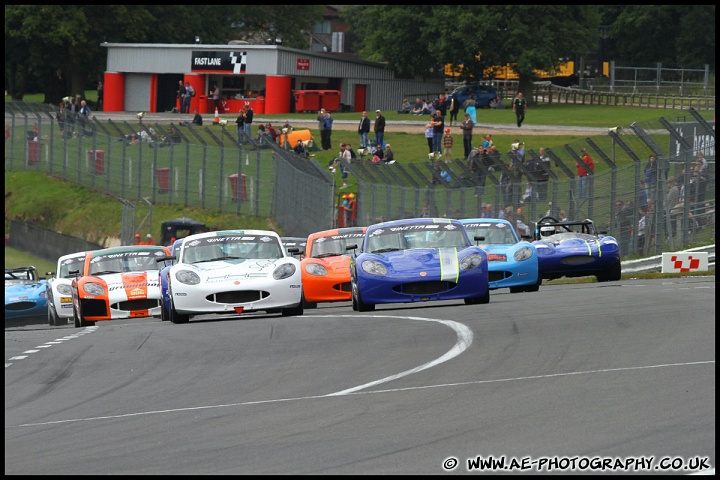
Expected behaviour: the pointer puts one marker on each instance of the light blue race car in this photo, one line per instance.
(418, 260)
(512, 262)
(25, 294)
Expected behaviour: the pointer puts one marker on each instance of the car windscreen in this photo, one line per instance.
(231, 247)
(334, 245)
(123, 262)
(403, 237)
(495, 233)
(68, 265)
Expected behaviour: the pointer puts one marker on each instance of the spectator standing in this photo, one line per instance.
(542, 175)
(429, 136)
(454, 109)
(83, 117)
(651, 176)
(470, 108)
(533, 173)
(379, 129)
(438, 124)
(583, 173)
(364, 130)
(327, 127)
(346, 160)
(701, 173)
(519, 108)
(442, 105)
(467, 132)
(640, 237)
(100, 96)
(249, 114)
(447, 142)
(216, 96)
(181, 96)
(240, 121)
(324, 143)
(188, 95)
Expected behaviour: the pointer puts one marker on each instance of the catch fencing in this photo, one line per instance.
(208, 167)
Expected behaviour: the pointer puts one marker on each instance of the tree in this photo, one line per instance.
(420, 40)
(58, 48)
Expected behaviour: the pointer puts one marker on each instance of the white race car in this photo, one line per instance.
(59, 291)
(233, 272)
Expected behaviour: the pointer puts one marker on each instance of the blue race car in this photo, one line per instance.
(164, 282)
(418, 260)
(512, 262)
(575, 249)
(25, 294)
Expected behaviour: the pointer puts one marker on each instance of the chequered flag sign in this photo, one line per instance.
(239, 61)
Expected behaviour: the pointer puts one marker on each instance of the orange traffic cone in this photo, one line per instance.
(217, 117)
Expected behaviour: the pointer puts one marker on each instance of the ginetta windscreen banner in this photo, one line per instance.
(218, 62)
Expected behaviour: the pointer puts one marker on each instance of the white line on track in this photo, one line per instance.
(465, 337)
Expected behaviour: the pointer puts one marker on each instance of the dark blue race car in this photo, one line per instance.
(418, 260)
(575, 249)
(164, 282)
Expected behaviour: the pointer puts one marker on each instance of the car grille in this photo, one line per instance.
(424, 288)
(94, 308)
(497, 276)
(144, 304)
(244, 296)
(344, 287)
(19, 306)
(577, 260)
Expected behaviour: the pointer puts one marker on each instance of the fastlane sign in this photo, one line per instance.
(219, 62)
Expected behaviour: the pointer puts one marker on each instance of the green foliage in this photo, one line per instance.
(16, 258)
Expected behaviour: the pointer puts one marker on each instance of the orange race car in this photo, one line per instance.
(326, 266)
(119, 282)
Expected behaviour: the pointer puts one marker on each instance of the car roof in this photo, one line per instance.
(465, 221)
(227, 233)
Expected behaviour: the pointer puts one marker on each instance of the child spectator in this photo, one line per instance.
(447, 145)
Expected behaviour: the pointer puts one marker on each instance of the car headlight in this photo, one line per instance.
(94, 289)
(471, 261)
(284, 271)
(523, 254)
(374, 267)
(187, 277)
(64, 289)
(316, 269)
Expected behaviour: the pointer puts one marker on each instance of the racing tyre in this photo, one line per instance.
(478, 300)
(52, 316)
(83, 322)
(535, 287)
(613, 274)
(175, 317)
(76, 319)
(361, 306)
(308, 305)
(164, 315)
